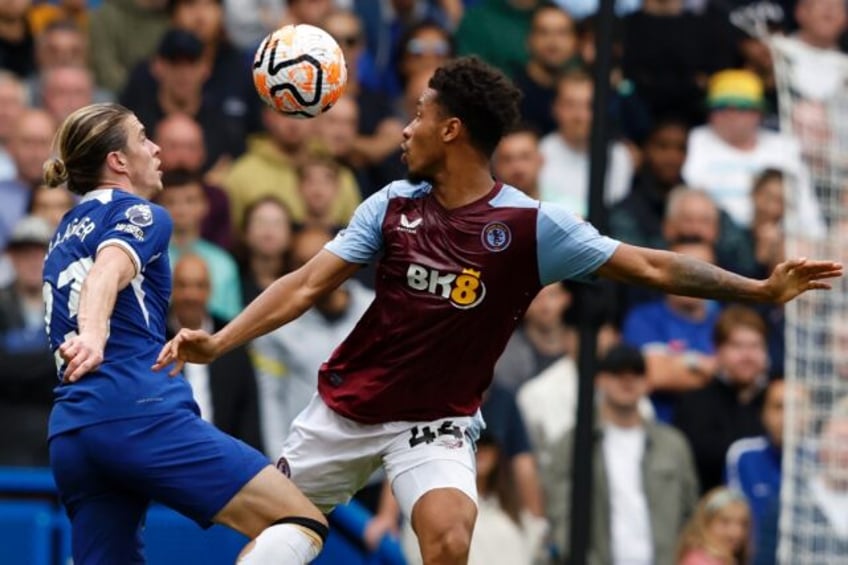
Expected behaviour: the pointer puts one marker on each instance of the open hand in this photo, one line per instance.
(83, 354)
(193, 346)
(796, 276)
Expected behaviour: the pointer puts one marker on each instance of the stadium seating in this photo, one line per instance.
(26, 532)
(35, 531)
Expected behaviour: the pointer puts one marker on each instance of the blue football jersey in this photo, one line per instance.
(124, 386)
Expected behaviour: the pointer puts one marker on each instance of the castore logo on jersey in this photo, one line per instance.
(409, 226)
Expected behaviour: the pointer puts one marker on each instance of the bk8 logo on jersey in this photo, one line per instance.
(463, 291)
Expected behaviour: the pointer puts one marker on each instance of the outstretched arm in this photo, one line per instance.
(674, 273)
(286, 299)
(112, 271)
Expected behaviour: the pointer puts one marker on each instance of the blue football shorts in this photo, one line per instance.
(108, 473)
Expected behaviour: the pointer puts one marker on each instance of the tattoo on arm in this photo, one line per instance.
(692, 277)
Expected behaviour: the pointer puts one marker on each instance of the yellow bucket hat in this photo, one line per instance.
(735, 88)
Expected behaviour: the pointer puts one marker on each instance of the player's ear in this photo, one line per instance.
(116, 161)
(451, 128)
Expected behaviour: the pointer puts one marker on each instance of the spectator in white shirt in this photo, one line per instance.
(644, 485)
(819, 69)
(565, 174)
(732, 149)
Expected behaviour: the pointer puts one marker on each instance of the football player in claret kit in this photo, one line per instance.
(121, 434)
(462, 257)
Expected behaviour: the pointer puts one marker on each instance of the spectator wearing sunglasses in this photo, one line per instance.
(422, 49)
(376, 148)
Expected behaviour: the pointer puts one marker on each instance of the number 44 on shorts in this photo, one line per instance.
(425, 434)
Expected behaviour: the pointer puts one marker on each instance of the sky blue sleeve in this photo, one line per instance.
(362, 239)
(568, 247)
(140, 228)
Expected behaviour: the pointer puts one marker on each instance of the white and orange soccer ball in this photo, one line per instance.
(299, 70)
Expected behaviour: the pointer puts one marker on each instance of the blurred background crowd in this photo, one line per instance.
(687, 450)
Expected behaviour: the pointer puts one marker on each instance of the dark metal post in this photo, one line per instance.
(590, 313)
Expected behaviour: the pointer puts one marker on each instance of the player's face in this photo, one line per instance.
(423, 150)
(142, 157)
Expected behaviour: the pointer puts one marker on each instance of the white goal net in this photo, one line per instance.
(813, 100)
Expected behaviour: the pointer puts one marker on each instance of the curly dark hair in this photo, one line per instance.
(483, 98)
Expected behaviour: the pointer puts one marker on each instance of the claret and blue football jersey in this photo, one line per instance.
(124, 386)
(451, 287)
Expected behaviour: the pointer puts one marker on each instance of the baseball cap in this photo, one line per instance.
(180, 45)
(735, 88)
(622, 358)
(31, 230)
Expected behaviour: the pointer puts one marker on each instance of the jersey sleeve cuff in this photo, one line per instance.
(126, 247)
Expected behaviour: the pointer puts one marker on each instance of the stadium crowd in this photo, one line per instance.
(689, 424)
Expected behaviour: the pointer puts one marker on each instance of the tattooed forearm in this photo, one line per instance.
(689, 276)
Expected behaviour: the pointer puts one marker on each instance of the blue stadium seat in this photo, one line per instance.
(26, 532)
(37, 532)
(171, 538)
(347, 530)
(62, 527)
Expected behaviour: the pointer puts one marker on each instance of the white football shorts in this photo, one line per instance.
(330, 457)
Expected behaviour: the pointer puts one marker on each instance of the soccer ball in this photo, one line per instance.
(299, 70)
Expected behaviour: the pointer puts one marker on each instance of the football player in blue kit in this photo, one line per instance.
(125, 435)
